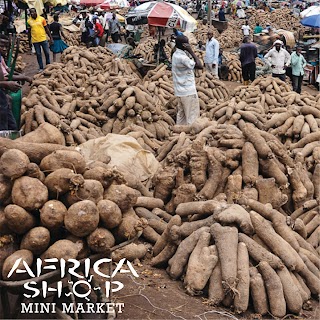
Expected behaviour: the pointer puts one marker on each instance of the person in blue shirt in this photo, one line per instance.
(221, 14)
(177, 33)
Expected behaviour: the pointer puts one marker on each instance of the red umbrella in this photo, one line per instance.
(108, 6)
(90, 3)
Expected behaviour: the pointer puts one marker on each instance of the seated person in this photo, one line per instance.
(159, 49)
(127, 51)
(200, 46)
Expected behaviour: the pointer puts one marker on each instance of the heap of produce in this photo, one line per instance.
(233, 210)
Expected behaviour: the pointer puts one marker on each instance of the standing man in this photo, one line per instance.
(248, 54)
(211, 58)
(298, 62)
(114, 28)
(221, 14)
(246, 29)
(278, 58)
(184, 84)
(257, 29)
(38, 31)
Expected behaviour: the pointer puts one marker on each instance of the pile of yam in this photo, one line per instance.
(62, 207)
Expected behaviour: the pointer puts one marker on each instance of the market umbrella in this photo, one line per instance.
(108, 6)
(312, 21)
(311, 11)
(238, 3)
(88, 3)
(161, 14)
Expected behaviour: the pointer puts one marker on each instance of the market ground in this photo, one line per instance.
(153, 295)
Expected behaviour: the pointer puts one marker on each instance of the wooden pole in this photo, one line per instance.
(209, 12)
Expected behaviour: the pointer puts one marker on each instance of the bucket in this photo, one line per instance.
(11, 134)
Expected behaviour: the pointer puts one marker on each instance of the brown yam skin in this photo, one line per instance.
(216, 291)
(82, 245)
(258, 292)
(164, 183)
(290, 290)
(63, 180)
(36, 240)
(130, 225)
(4, 228)
(131, 252)
(241, 299)
(125, 197)
(226, 240)
(82, 218)
(15, 215)
(178, 262)
(250, 164)
(274, 289)
(24, 255)
(101, 240)
(159, 246)
(29, 193)
(8, 245)
(5, 188)
(110, 213)
(62, 249)
(201, 263)
(14, 163)
(34, 171)
(90, 190)
(63, 159)
(52, 214)
(105, 175)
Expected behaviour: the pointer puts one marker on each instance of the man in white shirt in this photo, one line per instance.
(279, 59)
(184, 84)
(211, 58)
(246, 29)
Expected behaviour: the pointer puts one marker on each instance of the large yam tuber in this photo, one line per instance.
(250, 164)
(241, 299)
(29, 193)
(14, 163)
(63, 180)
(64, 159)
(36, 240)
(274, 289)
(200, 265)
(200, 207)
(14, 215)
(52, 214)
(236, 214)
(82, 218)
(258, 292)
(125, 197)
(226, 240)
(130, 252)
(110, 213)
(179, 261)
(100, 240)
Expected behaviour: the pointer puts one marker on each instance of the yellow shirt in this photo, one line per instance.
(38, 32)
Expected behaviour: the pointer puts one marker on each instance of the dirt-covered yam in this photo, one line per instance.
(82, 218)
(62, 249)
(18, 219)
(52, 214)
(36, 240)
(14, 163)
(100, 240)
(63, 159)
(90, 190)
(125, 197)
(29, 193)
(110, 214)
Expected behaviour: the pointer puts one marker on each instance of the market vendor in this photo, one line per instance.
(127, 51)
(158, 51)
(279, 59)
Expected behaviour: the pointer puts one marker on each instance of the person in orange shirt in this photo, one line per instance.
(37, 32)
